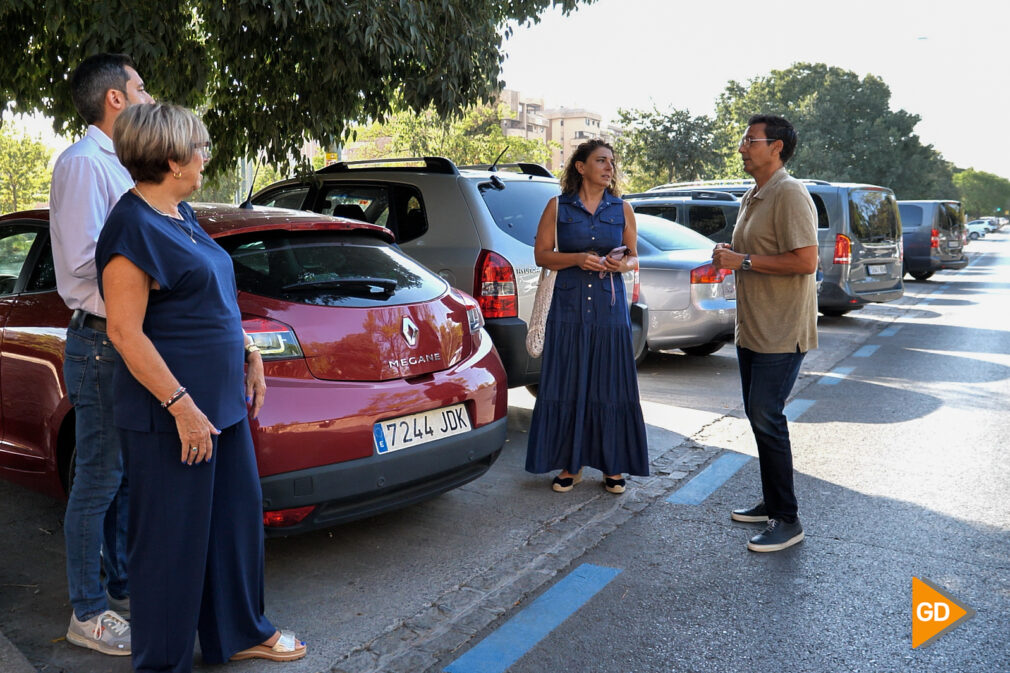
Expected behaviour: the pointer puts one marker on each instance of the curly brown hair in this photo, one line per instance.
(571, 179)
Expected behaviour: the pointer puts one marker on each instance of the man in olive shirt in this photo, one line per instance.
(774, 257)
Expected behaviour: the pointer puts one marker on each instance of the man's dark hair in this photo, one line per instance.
(778, 128)
(93, 78)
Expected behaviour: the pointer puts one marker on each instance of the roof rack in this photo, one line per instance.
(684, 193)
(701, 184)
(526, 168)
(431, 165)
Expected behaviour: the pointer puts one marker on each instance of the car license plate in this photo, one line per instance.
(953, 244)
(876, 269)
(404, 432)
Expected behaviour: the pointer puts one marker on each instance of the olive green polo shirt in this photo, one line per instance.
(776, 314)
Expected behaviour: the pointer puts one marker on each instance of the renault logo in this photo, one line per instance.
(410, 332)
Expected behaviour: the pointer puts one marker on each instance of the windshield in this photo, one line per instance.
(517, 207)
(873, 216)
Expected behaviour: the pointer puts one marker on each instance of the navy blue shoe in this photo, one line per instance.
(777, 536)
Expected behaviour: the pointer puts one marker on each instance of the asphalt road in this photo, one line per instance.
(899, 472)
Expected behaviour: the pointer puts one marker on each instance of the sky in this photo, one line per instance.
(948, 62)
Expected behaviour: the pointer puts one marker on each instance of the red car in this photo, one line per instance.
(383, 387)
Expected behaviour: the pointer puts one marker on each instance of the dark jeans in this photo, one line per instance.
(767, 379)
(95, 524)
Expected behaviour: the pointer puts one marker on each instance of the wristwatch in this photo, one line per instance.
(251, 348)
(745, 264)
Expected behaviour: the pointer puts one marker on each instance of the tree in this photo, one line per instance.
(224, 187)
(267, 75)
(473, 137)
(846, 128)
(982, 193)
(659, 147)
(24, 171)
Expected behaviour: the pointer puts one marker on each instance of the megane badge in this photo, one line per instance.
(410, 332)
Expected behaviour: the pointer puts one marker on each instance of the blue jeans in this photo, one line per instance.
(95, 524)
(767, 379)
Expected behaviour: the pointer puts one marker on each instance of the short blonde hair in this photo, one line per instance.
(148, 136)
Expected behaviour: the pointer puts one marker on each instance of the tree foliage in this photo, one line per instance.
(473, 137)
(24, 171)
(847, 130)
(224, 186)
(267, 75)
(658, 147)
(982, 193)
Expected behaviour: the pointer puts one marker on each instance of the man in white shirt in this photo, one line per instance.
(87, 182)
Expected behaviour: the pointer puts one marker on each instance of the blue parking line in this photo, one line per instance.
(504, 646)
(708, 480)
(890, 331)
(866, 351)
(835, 376)
(796, 408)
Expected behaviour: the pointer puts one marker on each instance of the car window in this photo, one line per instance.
(662, 234)
(290, 197)
(666, 212)
(15, 244)
(822, 212)
(43, 278)
(399, 208)
(517, 207)
(911, 215)
(873, 216)
(328, 268)
(707, 220)
(955, 214)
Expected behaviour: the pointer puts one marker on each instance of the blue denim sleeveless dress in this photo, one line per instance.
(588, 411)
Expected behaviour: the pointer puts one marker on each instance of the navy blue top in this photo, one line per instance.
(193, 319)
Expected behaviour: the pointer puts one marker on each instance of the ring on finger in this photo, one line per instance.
(194, 449)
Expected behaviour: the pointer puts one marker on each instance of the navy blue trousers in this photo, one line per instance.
(766, 380)
(194, 550)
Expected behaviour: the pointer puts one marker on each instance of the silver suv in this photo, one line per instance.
(474, 226)
(710, 213)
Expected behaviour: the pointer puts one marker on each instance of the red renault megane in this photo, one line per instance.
(382, 386)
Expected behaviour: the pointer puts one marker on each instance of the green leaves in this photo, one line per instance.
(266, 75)
(982, 193)
(659, 147)
(24, 171)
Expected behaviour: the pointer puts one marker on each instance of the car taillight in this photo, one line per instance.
(706, 273)
(495, 286)
(280, 518)
(843, 249)
(473, 315)
(275, 340)
(934, 238)
(636, 289)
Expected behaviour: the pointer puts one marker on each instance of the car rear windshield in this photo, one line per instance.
(328, 268)
(873, 216)
(667, 236)
(516, 206)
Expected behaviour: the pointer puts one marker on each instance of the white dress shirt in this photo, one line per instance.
(87, 182)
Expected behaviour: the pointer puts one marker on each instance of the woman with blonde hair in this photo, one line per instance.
(181, 387)
(588, 411)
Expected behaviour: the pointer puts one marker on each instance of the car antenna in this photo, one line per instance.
(494, 167)
(247, 204)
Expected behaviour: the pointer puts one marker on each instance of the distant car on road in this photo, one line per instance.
(977, 229)
(382, 386)
(933, 236)
(692, 306)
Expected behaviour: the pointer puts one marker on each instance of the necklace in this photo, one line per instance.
(164, 214)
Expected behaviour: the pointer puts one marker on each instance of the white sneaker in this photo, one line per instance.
(107, 633)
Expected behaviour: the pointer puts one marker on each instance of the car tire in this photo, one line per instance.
(921, 275)
(973, 235)
(704, 349)
(833, 312)
(642, 354)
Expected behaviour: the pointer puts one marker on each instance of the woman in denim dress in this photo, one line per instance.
(588, 411)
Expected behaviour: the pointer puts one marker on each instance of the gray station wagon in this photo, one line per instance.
(474, 226)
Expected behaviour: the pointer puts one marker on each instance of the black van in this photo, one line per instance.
(933, 236)
(858, 235)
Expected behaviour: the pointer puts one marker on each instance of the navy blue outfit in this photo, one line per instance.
(588, 411)
(195, 534)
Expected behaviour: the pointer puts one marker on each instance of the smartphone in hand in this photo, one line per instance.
(618, 253)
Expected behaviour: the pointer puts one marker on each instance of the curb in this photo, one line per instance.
(11, 659)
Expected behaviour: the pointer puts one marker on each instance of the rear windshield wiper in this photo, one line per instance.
(359, 285)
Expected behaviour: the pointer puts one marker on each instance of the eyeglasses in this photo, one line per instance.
(747, 140)
(203, 149)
